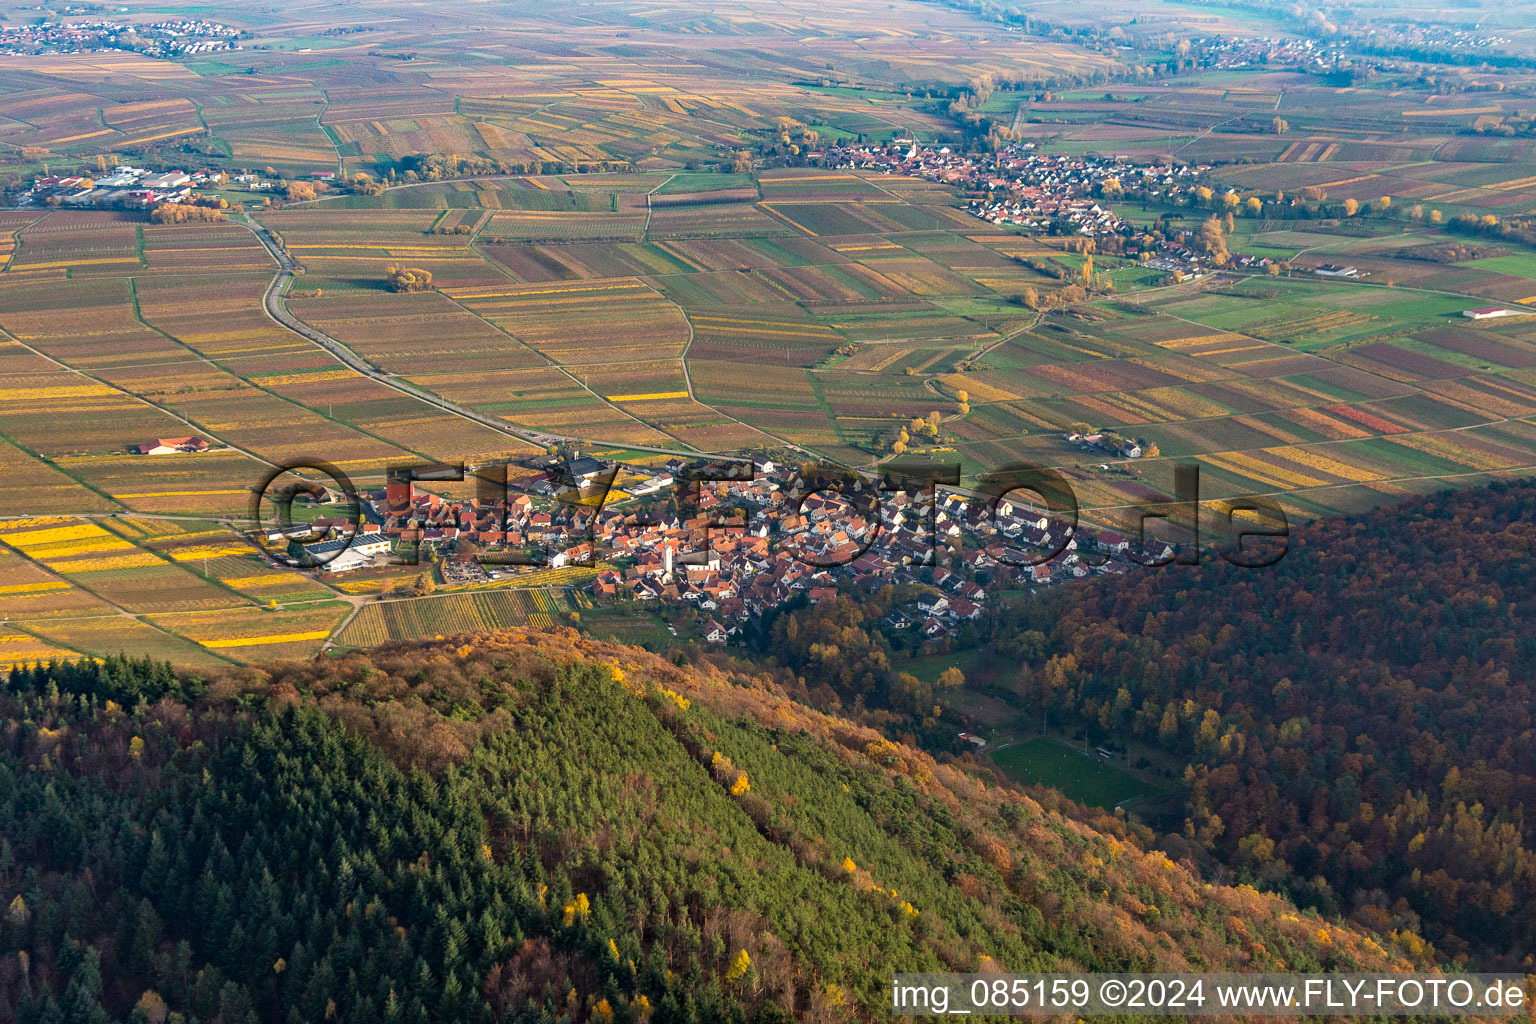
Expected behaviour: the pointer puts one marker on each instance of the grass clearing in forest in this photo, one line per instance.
(1086, 778)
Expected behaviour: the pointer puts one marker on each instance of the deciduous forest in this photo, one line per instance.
(1357, 720)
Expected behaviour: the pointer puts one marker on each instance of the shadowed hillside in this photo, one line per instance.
(1356, 720)
(541, 827)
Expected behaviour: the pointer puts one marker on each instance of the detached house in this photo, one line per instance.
(169, 446)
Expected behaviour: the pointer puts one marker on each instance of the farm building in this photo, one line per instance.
(169, 446)
(1489, 312)
(170, 179)
(585, 467)
(1334, 270)
(346, 554)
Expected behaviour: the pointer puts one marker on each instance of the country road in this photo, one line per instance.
(273, 301)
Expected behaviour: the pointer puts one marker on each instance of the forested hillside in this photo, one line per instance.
(1358, 719)
(506, 827)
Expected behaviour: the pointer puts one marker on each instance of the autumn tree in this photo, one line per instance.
(364, 184)
(1212, 240)
(408, 279)
(183, 213)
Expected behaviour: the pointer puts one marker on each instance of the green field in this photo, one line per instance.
(642, 628)
(1088, 779)
(688, 181)
(1521, 265)
(928, 669)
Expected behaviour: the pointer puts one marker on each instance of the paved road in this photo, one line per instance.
(278, 312)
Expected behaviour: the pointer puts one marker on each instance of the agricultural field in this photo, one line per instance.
(259, 634)
(455, 613)
(539, 96)
(623, 253)
(104, 636)
(181, 589)
(1336, 394)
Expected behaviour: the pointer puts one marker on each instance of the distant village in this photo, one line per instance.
(133, 188)
(1031, 189)
(173, 37)
(734, 550)
(1269, 52)
(1058, 194)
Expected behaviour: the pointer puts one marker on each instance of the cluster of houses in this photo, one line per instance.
(1107, 442)
(1044, 192)
(1031, 189)
(122, 187)
(254, 182)
(788, 546)
(1269, 52)
(173, 37)
(544, 517)
(732, 549)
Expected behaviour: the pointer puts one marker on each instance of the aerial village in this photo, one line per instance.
(733, 549)
(122, 186)
(165, 39)
(1058, 194)
(125, 187)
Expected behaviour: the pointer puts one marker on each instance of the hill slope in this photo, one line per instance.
(1358, 720)
(516, 827)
